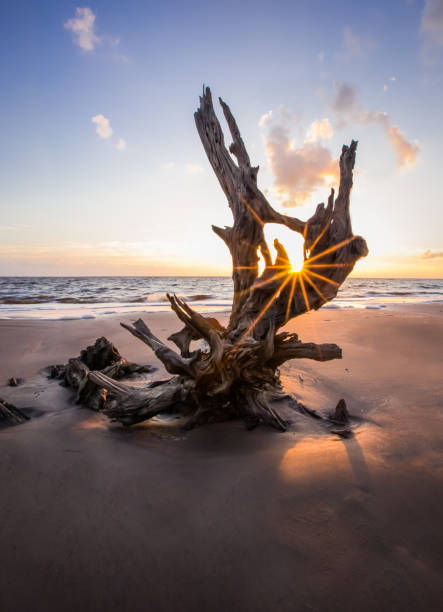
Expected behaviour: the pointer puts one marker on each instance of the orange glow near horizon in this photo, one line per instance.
(88, 260)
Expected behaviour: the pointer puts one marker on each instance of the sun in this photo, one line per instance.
(296, 268)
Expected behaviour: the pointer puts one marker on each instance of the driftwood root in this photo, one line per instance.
(235, 372)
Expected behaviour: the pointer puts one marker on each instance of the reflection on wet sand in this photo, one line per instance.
(318, 456)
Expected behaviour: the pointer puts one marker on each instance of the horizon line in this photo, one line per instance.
(194, 276)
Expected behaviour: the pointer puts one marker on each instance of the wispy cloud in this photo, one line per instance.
(14, 227)
(432, 254)
(299, 171)
(154, 250)
(112, 257)
(392, 79)
(357, 46)
(431, 29)
(121, 144)
(194, 169)
(102, 126)
(82, 26)
(348, 110)
(432, 21)
(265, 119)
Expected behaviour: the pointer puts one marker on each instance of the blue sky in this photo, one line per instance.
(132, 192)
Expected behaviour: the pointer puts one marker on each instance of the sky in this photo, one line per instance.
(101, 168)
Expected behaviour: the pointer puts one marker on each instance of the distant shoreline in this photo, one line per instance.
(351, 276)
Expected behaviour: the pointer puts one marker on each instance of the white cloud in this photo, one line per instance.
(357, 46)
(321, 57)
(102, 126)
(168, 165)
(121, 145)
(347, 109)
(319, 130)
(406, 151)
(265, 119)
(82, 27)
(194, 169)
(298, 172)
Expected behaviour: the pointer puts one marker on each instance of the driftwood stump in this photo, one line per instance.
(102, 357)
(10, 415)
(237, 375)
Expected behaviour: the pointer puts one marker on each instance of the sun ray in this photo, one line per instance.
(263, 310)
(325, 278)
(337, 265)
(331, 249)
(291, 295)
(305, 295)
(319, 237)
(251, 210)
(262, 283)
(313, 285)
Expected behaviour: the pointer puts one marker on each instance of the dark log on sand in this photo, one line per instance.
(10, 415)
(237, 374)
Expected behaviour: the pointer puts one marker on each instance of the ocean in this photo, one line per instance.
(67, 298)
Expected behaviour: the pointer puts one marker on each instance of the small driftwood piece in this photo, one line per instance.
(341, 419)
(10, 415)
(237, 374)
(15, 382)
(341, 414)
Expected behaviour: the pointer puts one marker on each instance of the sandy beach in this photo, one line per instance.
(97, 517)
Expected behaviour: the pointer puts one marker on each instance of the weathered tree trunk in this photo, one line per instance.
(238, 374)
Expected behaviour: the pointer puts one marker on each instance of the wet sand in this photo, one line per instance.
(96, 517)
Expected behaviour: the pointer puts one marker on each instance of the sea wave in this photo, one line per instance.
(69, 296)
(200, 297)
(152, 297)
